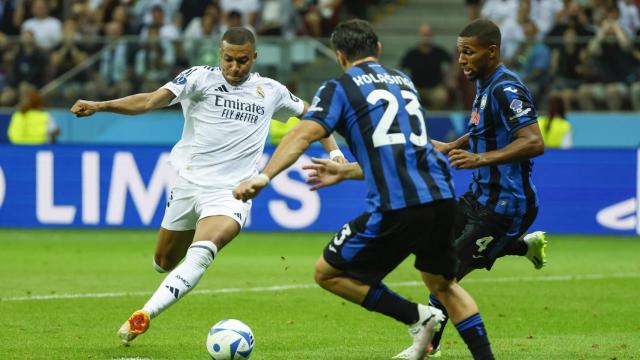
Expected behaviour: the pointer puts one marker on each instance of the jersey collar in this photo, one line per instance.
(497, 72)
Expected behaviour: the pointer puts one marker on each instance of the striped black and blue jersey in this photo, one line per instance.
(377, 111)
(502, 106)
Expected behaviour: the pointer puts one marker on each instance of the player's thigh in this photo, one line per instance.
(483, 233)
(172, 247)
(219, 229)
(433, 235)
(221, 216)
(368, 247)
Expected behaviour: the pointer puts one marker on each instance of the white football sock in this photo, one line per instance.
(183, 278)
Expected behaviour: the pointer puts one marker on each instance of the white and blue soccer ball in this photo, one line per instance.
(230, 340)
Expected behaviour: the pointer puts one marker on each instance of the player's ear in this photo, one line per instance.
(378, 49)
(494, 52)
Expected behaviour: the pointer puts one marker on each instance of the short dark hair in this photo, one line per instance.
(355, 39)
(487, 32)
(239, 36)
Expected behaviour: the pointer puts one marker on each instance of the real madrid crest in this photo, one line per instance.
(483, 102)
(260, 92)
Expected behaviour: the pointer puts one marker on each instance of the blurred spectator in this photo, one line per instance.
(570, 9)
(320, 16)
(556, 130)
(278, 18)
(543, 13)
(635, 87)
(427, 64)
(193, 9)
(46, 30)
(206, 27)
(629, 17)
(310, 16)
(499, 10)
(532, 61)
(513, 32)
(568, 65)
(473, 6)
(610, 55)
(121, 15)
(28, 67)
(154, 61)
(65, 57)
(32, 125)
(114, 67)
(168, 31)
(201, 37)
(87, 20)
(9, 19)
(248, 10)
(233, 19)
(143, 9)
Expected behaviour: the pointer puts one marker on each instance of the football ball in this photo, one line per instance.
(230, 340)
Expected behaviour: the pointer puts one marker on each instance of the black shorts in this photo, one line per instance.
(372, 245)
(482, 234)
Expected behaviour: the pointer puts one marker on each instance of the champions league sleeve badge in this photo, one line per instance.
(180, 80)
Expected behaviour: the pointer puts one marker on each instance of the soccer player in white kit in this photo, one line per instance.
(227, 111)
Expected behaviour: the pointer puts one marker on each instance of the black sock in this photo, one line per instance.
(475, 336)
(381, 299)
(518, 248)
(433, 301)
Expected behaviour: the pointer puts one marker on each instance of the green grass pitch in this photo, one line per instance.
(64, 294)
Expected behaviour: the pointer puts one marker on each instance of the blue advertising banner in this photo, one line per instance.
(581, 191)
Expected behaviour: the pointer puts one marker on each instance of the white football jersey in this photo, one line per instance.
(225, 126)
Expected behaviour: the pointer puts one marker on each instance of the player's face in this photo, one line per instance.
(236, 61)
(474, 58)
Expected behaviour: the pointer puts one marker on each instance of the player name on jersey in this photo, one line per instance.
(239, 110)
(386, 78)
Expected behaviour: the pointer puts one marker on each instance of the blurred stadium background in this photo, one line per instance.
(580, 58)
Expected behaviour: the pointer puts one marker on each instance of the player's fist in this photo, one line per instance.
(84, 108)
(249, 189)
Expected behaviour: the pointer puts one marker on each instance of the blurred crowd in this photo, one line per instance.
(586, 52)
(140, 43)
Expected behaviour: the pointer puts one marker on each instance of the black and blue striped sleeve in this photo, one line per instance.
(515, 105)
(327, 106)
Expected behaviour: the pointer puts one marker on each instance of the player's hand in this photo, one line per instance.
(84, 108)
(462, 159)
(249, 189)
(340, 159)
(323, 173)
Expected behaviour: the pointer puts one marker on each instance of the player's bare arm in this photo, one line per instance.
(325, 172)
(129, 105)
(527, 144)
(460, 143)
(290, 149)
(329, 143)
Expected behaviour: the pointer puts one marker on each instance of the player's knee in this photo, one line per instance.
(322, 278)
(440, 286)
(162, 264)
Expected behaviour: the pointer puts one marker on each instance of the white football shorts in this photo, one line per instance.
(188, 203)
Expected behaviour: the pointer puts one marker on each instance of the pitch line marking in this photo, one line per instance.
(550, 278)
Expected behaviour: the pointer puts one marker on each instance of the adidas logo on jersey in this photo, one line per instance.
(238, 215)
(222, 88)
